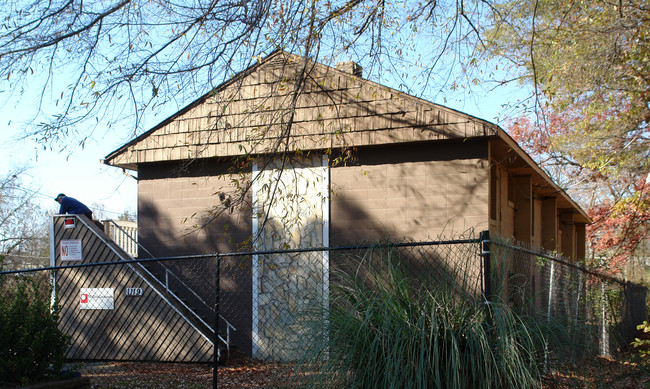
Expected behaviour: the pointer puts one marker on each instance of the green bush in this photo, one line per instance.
(32, 347)
(386, 330)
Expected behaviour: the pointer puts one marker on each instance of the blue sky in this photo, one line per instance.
(78, 174)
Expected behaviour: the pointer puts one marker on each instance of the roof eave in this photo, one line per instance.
(115, 153)
(584, 218)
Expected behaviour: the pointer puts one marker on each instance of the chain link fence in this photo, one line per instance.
(271, 307)
(583, 312)
(289, 290)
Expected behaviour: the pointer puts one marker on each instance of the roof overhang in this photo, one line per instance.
(542, 183)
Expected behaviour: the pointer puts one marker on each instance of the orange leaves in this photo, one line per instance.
(619, 226)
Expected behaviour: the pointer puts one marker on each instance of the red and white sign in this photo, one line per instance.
(96, 298)
(70, 222)
(71, 250)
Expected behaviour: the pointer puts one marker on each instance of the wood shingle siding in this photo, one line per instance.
(333, 110)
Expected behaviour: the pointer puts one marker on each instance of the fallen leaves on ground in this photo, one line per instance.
(600, 372)
(146, 375)
(248, 373)
(236, 373)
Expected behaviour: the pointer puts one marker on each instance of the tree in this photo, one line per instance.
(96, 62)
(127, 216)
(23, 232)
(589, 63)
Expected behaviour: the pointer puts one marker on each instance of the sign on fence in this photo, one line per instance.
(71, 250)
(96, 298)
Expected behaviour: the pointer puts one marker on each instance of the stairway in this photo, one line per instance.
(93, 237)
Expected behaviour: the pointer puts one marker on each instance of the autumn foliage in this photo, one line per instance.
(587, 62)
(620, 226)
(616, 197)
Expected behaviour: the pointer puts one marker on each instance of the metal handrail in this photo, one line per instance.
(168, 271)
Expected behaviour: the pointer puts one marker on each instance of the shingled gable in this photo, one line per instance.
(335, 109)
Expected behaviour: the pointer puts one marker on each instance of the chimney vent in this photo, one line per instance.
(350, 67)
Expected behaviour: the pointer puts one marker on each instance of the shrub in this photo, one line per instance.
(32, 347)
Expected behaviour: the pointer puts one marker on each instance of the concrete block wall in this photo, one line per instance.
(172, 209)
(417, 192)
(173, 202)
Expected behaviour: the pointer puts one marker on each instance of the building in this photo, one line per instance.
(291, 153)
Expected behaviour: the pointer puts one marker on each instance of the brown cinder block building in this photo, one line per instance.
(291, 153)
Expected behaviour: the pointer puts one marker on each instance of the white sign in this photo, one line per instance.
(71, 250)
(96, 298)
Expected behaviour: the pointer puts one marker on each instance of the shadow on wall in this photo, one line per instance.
(415, 192)
(160, 236)
(458, 264)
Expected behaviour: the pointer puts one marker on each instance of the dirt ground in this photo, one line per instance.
(248, 373)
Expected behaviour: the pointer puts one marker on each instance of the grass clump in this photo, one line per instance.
(389, 329)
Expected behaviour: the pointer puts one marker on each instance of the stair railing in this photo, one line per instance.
(169, 272)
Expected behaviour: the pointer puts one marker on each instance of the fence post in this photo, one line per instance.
(604, 331)
(634, 311)
(484, 238)
(52, 264)
(215, 339)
